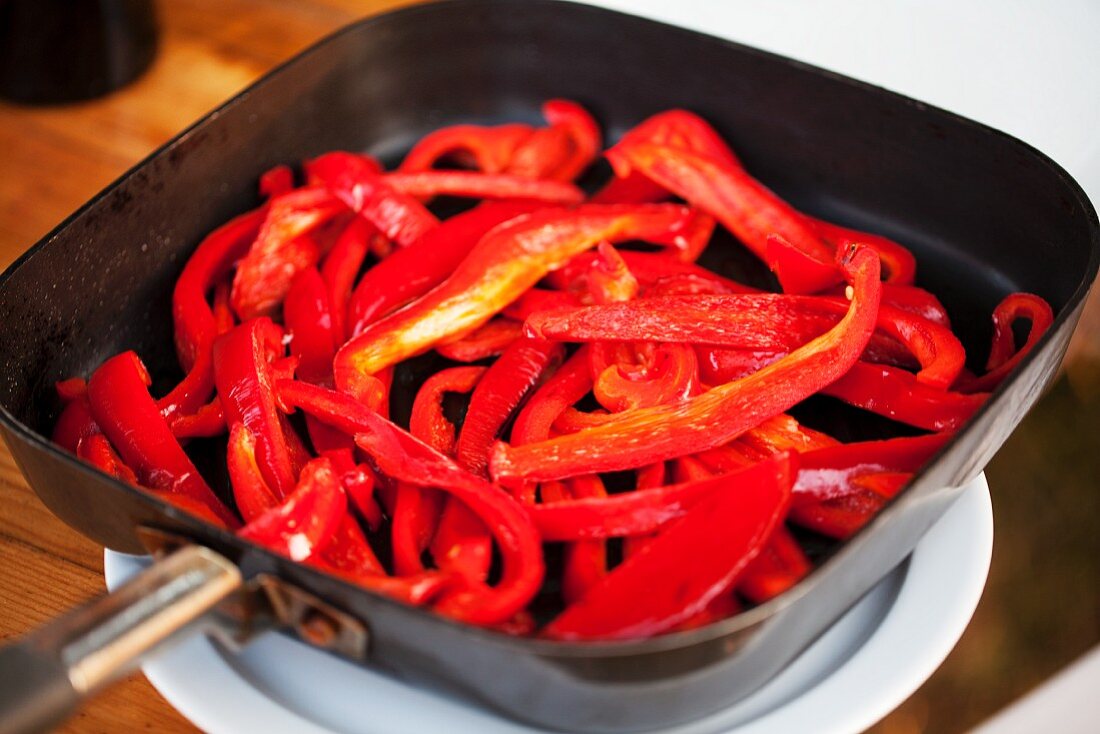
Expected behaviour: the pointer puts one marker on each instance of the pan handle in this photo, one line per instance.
(45, 675)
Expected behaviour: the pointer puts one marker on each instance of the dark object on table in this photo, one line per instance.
(54, 51)
(985, 214)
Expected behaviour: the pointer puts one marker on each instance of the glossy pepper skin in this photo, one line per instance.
(707, 175)
(411, 272)
(118, 395)
(683, 569)
(1003, 355)
(403, 457)
(716, 416)
(245, 376)
(307, 520)
(504, 264)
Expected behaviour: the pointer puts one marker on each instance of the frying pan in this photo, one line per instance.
(985, 214)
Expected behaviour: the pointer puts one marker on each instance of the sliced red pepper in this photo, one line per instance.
(896, 394)
(483, 186)
(417, 509)
(118, 394)
(683, 569)
(340, 269)
(585, 562)
(206, 422)
(780, 565)
(244, 376)
(359, 483)
(74, 423)
(634, 188)
(282, 248)
(276, 181)
(899, 267)
(96, 450)
(715, 417)
(649, 268)
(194, 320)
(250, 491)
(582, 132)
(1003, 355)
(505, 263)
(609, 279)
(307, 520)
(916, 301)
(828, 472)
(307, 314)
(646, 509)
(413, 271)
(840, 517)
(718, 185)
(488, 149)
(403, 457)
(663, 374)
(496, 397)
(491, 339)
(357, 183)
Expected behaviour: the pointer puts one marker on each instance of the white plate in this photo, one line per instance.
(856, 673)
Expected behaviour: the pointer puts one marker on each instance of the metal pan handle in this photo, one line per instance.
(45, 675)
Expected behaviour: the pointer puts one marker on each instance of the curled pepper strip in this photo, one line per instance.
(356, 182)
(340, 269)
(405, 458)
(715, 417)
(504, 264)
(681, 571)
(250, 491)
(650, 269)
(718, 185)
(662, 374)
(488, 149)
(899, 267)
(118, 395)
(1003, 355)
(417, 509)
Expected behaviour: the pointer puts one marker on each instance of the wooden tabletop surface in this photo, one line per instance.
(53, 159)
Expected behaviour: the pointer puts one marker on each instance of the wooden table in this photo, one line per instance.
(54, 159)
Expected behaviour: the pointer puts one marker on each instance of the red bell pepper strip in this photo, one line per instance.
(899, 267)
(780, 565)
(741, 203)
(404, 458)
(118, 394)
(483, 186)
(1003, 355)
(307, 520)
(504, 264)
(582, 132)
(195, 323)
(413, 271)
(896, 394)
(536, 300)
(667, 373)
(307, 314)
(71, 389)
(840, 517)
(458, 540)
(462, 543)
(609, 279)
(645, 510)
(250, 491)
(357, 183)
(206, 422)
(340, 269)
(633, 188)
(244, 376)
(684, 568)
(758, 322)
(96, 450)
(496, 397)
(916, 301)
(488, 149)
(715, 417)
(282, 248)
(682, 129)
(828, 472)
(276, 181)
(359, 482)
(491, 339)
(585, 561)
(571, 382)
(222, 308)
(74, 423)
